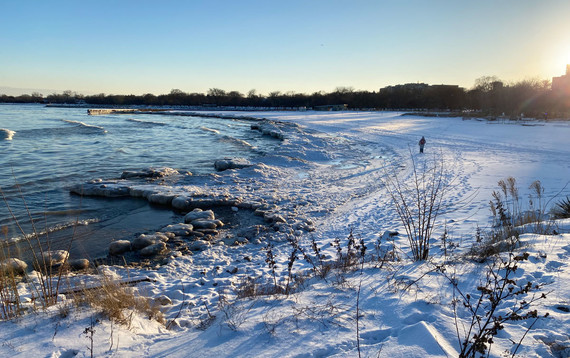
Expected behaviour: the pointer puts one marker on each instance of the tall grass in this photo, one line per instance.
(112, 298)
(47, 277)
(116, 300)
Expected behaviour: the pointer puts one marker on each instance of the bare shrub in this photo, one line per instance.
(418, 202)
(234, 313)
(316, 260)
(353, 254)
(499, 299)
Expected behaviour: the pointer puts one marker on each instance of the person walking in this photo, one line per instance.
(422, 143)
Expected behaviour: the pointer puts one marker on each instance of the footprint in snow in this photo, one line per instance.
(554, 265)
(376, 336)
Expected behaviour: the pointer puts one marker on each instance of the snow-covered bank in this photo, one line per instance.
(328, 171)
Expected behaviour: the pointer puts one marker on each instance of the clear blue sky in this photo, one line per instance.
(124, 46)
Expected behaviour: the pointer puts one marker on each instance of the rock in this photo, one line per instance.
(161, 199)
(204, 224)
(304, 226)
(163, 300)
(149, 173)
(240, 241)
(142, 241)
(278, 219)
(146, 240)
(179, 229)
(273, 218)
(198, 245)
(251, 231)
(168, 235)
(199, 214)
(78, 264)
(153, 250)
(13, 266)
(208, 232)
(235, 163)
(110, 189)
(269, 130)
(182, 202)
(55, 257)
(119, 247)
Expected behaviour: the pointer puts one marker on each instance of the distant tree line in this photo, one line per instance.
(489, 96)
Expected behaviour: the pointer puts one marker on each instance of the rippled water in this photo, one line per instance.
(44, 150)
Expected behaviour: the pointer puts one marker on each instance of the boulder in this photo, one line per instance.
(149, 173)
(199, 214)
(146, 240)
(235, 163)
(55, 257)
(162, 199)
(109, 189)
(163, 300)
(198, 245)
(13, 266)
(78, 264)
(153, 250)
(204, 224)
(179, 229)
(119, 247)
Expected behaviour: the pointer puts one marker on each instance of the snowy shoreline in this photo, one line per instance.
(328, 171)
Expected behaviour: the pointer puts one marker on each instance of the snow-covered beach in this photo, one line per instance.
(324, 181)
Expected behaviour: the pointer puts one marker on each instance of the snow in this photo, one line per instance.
(325, 181)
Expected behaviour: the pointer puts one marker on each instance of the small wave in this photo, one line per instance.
(236, 142)
(85, 125)
(53, 229)
(206, 129)
(148, 123)
(7, 134)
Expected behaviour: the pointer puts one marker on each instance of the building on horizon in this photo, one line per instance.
(561, 84)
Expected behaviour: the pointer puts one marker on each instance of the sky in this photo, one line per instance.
(138, 47)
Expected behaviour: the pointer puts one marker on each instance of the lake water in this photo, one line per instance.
(45, 150)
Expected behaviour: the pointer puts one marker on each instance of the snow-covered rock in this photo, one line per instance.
(149, 173)
(78, 264)
(234, 163)
(119, 247)
(205, 224)
(54, 257)
(199, 214)
(179, 229)
(109, 189)
(143, 240)
(153, 250)
(13, 265)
